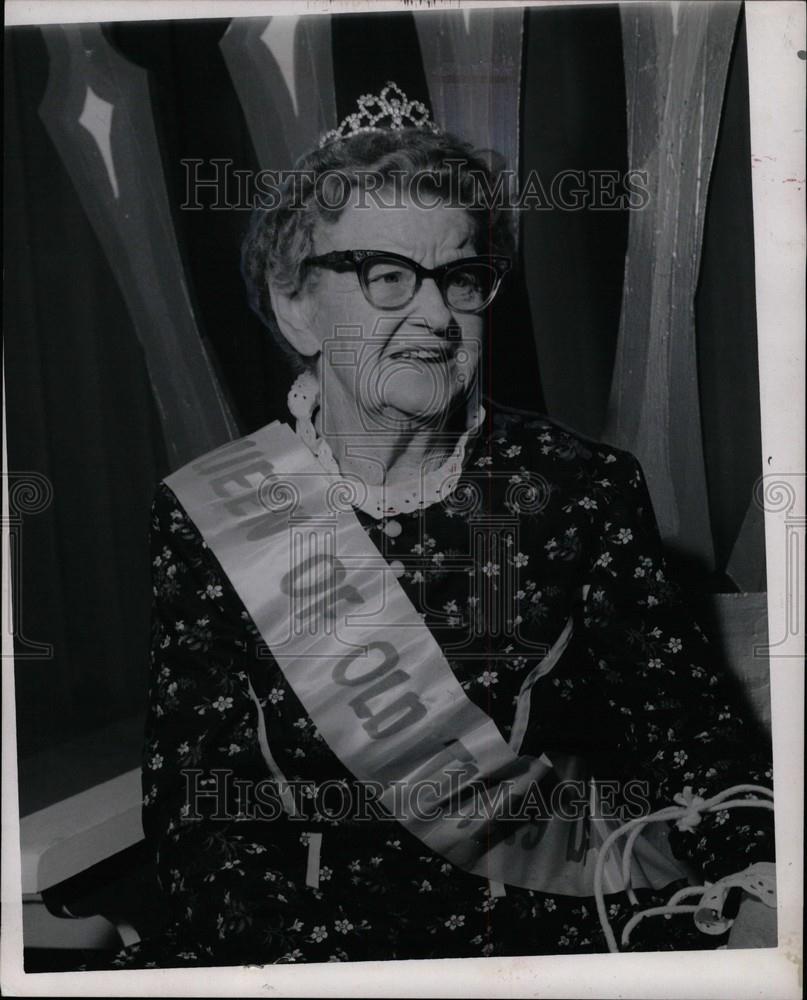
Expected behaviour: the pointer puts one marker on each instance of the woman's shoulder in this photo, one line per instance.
(188, 578)
(173, 529)
(557, 448)
(167, 513)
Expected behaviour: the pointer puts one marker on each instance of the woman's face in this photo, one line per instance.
(415, 363)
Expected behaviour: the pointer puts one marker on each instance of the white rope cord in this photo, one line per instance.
(692, 817)
(688, 813)
(670, 812)
(654, 911)
(688, 890)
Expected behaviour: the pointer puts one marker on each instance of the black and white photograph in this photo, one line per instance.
(403, 498)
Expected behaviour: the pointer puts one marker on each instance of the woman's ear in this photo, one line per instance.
(293, 312)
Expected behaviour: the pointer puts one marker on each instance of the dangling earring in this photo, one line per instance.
(303, 395)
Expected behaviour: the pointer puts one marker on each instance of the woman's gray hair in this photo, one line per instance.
(322, 184)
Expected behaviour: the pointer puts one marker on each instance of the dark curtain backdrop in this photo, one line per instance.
(80, 412)
(575, 119)
(79, 404)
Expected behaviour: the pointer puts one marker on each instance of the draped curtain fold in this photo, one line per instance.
(472, 61)
(98, 113)
(282, 69)
(676, 61)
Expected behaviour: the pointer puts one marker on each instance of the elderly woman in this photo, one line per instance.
(415, 658)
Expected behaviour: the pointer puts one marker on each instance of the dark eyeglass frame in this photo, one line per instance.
(360, 261)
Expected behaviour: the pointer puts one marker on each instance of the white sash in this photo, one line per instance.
(373, 678)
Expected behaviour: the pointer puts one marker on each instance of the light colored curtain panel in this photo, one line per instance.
(676, 61)
(741, 622)
(282, 70)
(746, 564)
(97, 111)
(472, 62)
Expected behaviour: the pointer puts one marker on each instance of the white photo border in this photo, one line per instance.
(776, 37)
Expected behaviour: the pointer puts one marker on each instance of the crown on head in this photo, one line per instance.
(391, 109)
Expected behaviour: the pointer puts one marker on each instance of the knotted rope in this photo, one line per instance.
(688, 812)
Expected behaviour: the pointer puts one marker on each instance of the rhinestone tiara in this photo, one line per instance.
(391, 109)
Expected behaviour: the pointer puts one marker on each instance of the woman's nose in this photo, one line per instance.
(429, 306)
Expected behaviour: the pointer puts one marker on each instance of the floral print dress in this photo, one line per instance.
(637, 692)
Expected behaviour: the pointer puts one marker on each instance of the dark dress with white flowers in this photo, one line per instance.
(637, 692)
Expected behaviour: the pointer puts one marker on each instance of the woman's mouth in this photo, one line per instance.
(429, 355)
